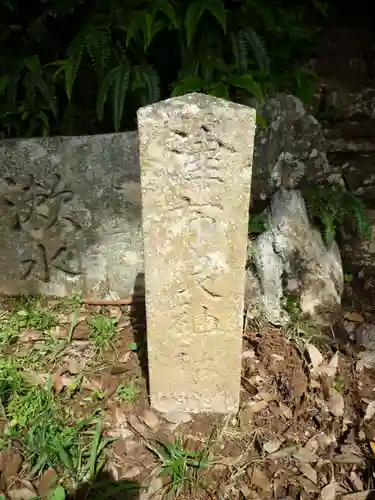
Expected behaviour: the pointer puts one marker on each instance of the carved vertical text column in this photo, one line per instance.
(196, 156)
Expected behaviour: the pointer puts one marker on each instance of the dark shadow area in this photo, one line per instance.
(138, 322)
(105, 487)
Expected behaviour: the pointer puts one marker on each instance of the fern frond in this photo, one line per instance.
(46, 93)
(332, 205)
(116, 79)
(96, 40)
(120, 88)
(12, 89)
(257, 46)
(153, 86)
(98, 45)
(104, 88)
(74, 53)
(329, 231)
(356, 208)
(29, 86)
(147, 79)
(240, 49)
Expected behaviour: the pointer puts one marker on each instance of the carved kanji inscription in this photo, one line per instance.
(41, 209)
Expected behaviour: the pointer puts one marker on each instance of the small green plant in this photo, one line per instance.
(348, 278)
(9, 330)
(339, 384)
(27, 314)
(71, 303)
(57, 493)
(11, 380)
(30, 314)
(258, 223)
(75, 449)
(182, 466)
(103, 331)
(29, 405)
(129, 392)
(331, 206)
(300, 329)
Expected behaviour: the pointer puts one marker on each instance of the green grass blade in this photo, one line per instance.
(94, 450)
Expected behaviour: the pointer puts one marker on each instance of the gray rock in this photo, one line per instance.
(290, 150)
(291, 257)
(70, 216)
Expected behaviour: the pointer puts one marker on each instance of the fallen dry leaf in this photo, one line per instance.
(308, 485)
(309, 472)
(132, 472)
(348, 458)
(47, 481)
(267, 396)
(249, 354)
(80, 332)
(329, 491)
(120, 416)
(334, 363)
(284, 453)
(356, 481)
(91, 384)
(335, 403)
(34, 378)
(119, 369)
(73, 366)
(177, 417)
(359, 495)
(150, 419)
(370, 411)
(272, 446)
(31, 336)
(10, 464)
(247, 414)
(305, 455)
(256, 406)
(72, 316)
(140, 428)
(115, 312)
(258, 478)
(316, 358)
(59, 382)
(109, 384)
(286, 411)
(354, 317)
(156, 487)
(21, 494)
(329, 370)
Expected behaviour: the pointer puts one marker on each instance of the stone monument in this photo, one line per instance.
(196, 155)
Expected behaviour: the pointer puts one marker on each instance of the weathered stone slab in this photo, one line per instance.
(196, 157)
(70, 216)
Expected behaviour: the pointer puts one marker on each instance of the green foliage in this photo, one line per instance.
(258, 223)
(180, 464)
(331, 206)
(103, 331)
(42, 427)
(128, 393)
(73, 67)
(300, 329)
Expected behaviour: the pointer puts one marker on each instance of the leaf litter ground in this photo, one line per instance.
(75, 420)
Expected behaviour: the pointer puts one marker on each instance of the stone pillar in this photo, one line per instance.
(196, 155)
